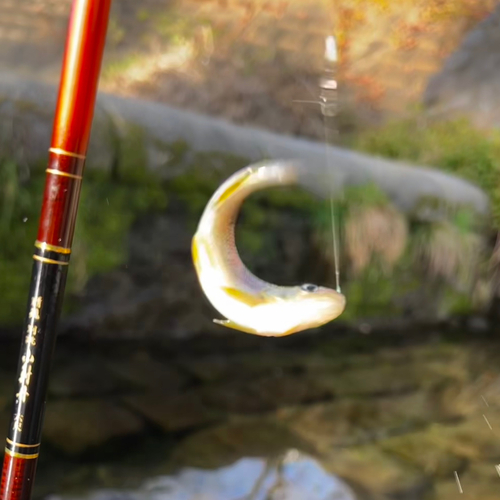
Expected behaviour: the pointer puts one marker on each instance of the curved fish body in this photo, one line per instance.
(248, 303)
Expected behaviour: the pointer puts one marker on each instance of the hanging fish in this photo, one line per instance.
(248, 303)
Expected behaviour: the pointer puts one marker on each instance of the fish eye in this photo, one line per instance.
(309, 287)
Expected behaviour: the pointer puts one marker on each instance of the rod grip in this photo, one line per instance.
(18, 475)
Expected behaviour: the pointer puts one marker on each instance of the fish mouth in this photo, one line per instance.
(331, 297)
(333, 305)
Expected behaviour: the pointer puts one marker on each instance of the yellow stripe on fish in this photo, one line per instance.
(232, 188)
(248, 298)
(194, 253)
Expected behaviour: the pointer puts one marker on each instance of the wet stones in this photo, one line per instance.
(172, 413)
(395, 420)
(83, 378)
(75, 426)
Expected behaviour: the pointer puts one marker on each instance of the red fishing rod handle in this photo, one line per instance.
(71, 132)
(17, 477)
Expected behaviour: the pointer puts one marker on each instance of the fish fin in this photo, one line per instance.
(288, 332)
(231, 324)
(247, 298)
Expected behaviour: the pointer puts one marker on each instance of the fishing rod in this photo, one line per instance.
(70, 136)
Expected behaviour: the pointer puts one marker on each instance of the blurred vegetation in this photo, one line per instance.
(107, 209)
(454, 146)
(385, 256)
(449, 255)
(166, 31)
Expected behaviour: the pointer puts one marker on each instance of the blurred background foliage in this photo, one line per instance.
(382, 251)
(254, 67)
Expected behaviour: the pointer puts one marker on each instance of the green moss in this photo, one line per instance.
(110, 202)
(112, 69)
(361, 196)
(176, 151)
(261, 213)
(456, 303)
(116, 32)
(203, 173)
(143, 15)
(107, 209)
(291, 198)
(175, 27)
(374, 292)
(455, 146)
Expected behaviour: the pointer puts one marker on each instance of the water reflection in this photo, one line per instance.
(294, 478)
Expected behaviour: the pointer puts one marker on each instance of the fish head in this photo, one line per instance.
(314, 306)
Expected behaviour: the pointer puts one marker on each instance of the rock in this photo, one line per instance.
(171, 413)
(233, 396)
(163, 125)
(378, 473)
(289, 389)
(161, 236)
(364, 382)
(264, 393)
(419, 449)
(143, 299)
(82, 378)
(75, 426)
(226, 443)
(145, 372)
(138, 295)
(356, 421)
(468, 81)
(209, 368)
(478, 481)
(295, 477)
(7, 389)
(478, 323)
(247, 365)
(473, 439)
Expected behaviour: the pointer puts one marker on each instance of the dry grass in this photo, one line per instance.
(449, 253)
(493, 269)
(377, 231)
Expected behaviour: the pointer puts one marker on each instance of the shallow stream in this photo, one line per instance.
(393, 415)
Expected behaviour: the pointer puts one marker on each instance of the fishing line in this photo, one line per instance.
(335, 235)
(328, 103)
